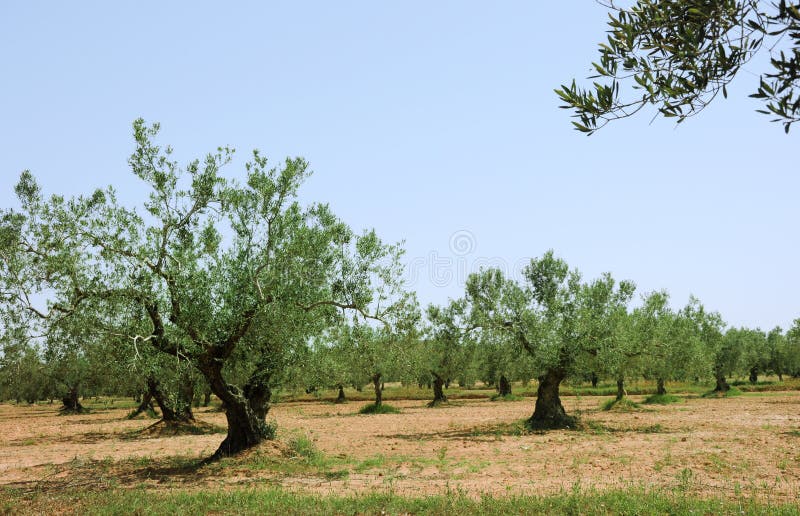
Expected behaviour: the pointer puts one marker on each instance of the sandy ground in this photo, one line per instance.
(748, 444)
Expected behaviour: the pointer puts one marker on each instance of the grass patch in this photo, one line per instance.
(662, 399)
(730, 393)
(276, 501)
(652, 429)
(302, 447)
(623, 405)
(383, 408)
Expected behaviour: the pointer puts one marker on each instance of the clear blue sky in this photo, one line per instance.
(424, 120)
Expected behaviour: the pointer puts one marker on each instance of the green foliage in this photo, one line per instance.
(669, 344)
(730, 393)
(622, 405)
(302, 447)
(661, 399)
(679, 55)
(791, 350)
(753, 347)
(561, 322)
(383, 408)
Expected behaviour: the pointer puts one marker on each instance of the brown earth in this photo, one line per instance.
(747, 444)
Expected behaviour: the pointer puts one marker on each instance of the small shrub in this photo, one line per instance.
(303, 447)
(383, 408)
(661, 399)
(271, 429)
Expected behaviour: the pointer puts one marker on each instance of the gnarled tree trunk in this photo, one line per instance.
(660, 389)
(621, 388)
(504, 386)
(246, 428)
(549, 412)
(722, 385)
(594, 379)
(180, 413)
(376, 383)
(145, 404)
(71, 402)
(258, 394)
(438, 390)
(754, 375)
(340, 398)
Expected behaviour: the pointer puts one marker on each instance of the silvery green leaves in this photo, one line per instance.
(553, 316)
(679, 55)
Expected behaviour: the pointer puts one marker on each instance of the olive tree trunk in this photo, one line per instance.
(376, 383)
(145, 404)
(179, 412)
(660, 389)
(438, 390)
(71, 402)
(340, 398)
(246, 427)
(549, 412)
(504, 386)
(754, 375)
(621, 388)
(722, 385)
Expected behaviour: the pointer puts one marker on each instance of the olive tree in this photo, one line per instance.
(561, 322)
(378, 352)
(669, 340)
(449, 348)
(708, 328)
(211, 262)
(754, 352)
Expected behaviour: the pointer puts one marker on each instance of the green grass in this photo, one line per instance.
(661, 399)
(730, 393)
(623, 405)
(303, 447)
(276, 501)
(383, 408)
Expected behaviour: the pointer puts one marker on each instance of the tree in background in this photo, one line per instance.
(560, 321)
(670, 341)
(754, 353)
(679, 55)
(331, 365)
(449, 348)
(622, 358)
(792, 350)
(23, 375)
(708, 327)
